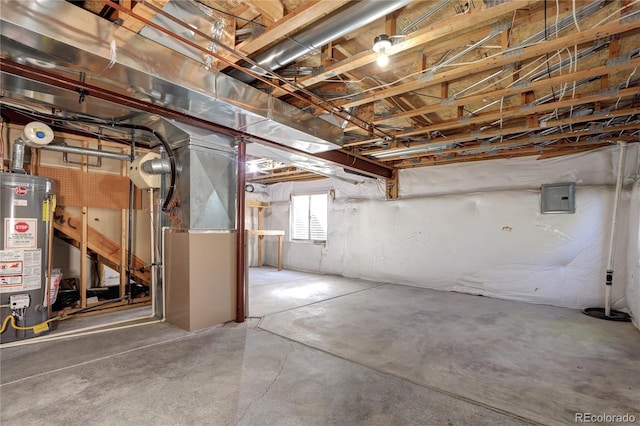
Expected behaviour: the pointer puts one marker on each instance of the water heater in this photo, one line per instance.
(24, 233)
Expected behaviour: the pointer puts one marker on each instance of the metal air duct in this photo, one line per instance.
(61, 38)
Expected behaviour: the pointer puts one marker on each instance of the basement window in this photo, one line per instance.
(309, 217)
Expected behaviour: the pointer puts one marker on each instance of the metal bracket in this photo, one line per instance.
(427, 76)
(522, 84)
(513, 52)
(619, 60)
(629, 19)
(609, 91)
(528, 108)
(498, 27)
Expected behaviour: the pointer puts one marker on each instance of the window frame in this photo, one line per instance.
(309, 209)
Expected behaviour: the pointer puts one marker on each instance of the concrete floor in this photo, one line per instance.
(335, 351)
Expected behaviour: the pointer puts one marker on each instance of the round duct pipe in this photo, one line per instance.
(343, 22)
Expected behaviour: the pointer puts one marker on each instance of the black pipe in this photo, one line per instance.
(158, 136)
(172, 159)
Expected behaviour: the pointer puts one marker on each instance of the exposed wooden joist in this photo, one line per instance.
(519, 55)
(271, 10)
(426, 37)
(522, 129)
(310, 12)
(520, 112)
(491, 95)
(134, 25)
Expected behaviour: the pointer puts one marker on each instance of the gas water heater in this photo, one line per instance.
(24, 233)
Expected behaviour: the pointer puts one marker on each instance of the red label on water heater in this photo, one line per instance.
(21, 227)
(21, 190)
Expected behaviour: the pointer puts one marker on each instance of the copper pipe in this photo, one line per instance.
(240, 276)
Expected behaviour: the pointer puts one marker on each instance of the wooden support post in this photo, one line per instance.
(263, 233)
(392, 186)
(260, 217)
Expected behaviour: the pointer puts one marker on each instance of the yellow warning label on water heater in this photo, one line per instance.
(45, 210)
(48, 207)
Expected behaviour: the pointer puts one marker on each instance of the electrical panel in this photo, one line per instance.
(558, 198)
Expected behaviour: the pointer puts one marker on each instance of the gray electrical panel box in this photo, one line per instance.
(558, 198)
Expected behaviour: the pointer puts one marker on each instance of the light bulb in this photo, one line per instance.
(380, 45)
(382, 60)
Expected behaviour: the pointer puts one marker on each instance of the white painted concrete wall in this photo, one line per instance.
(474, 228)
(633, 259)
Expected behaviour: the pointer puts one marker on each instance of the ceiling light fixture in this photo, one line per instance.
(380, 45)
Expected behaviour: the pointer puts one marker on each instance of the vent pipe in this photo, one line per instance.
(17, 157)
(34, 134)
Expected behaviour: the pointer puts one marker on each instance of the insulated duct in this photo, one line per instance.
(343, 22)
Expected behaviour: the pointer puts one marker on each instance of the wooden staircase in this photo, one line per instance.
(107, 250)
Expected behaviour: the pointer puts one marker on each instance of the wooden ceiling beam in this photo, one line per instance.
(513, 143)
(132, 24)
(547, 152)
(518, 112)
(271, 10)
(514, 90)
(521, 112)
(310, 12)
(513, 131)
(429, 36)
(518, 55)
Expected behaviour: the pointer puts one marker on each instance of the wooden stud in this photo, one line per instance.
(392, 186)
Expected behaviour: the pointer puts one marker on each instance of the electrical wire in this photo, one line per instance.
(112, 124)
(627, 15)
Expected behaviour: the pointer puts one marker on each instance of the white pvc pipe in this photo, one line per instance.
(612, 239)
